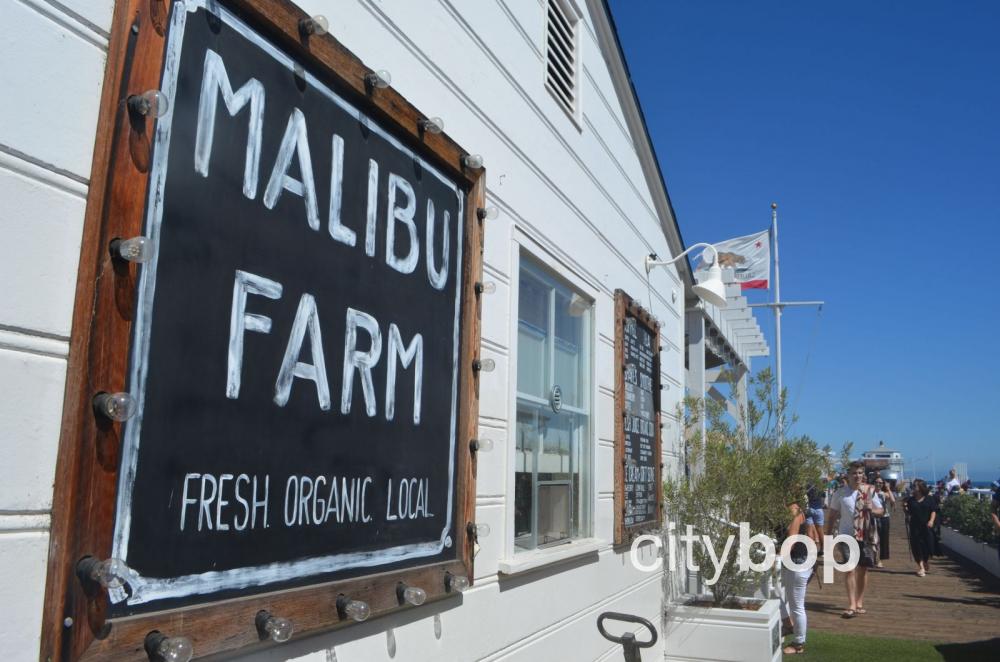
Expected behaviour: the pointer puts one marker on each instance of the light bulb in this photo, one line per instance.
(175, 649)
(410, 594)
(136, 249)
(489, 287)
(317, 25)
(151, 102)
(279, 629)
(380, 79)
(487, 213)
(432, 125)
(477, 531)
(472, 161)
(116, 406)
(162, 648)
(112, 573)
(484, 365)
(482, 445)
(355, 609)
(456, 583)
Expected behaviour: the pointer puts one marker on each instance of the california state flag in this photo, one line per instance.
(749, 257)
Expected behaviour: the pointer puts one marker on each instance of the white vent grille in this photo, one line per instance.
(562, 61)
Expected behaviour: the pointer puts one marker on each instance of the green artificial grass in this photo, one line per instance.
(827, 647)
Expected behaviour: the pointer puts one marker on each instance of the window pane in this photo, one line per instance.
(552, 474)
(532, 366)
(571, 361)
(532, 336)
(524, 467)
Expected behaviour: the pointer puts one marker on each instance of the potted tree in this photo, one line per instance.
(739, 474)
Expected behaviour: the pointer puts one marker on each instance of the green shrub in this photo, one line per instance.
(740, 474)
(969, 516)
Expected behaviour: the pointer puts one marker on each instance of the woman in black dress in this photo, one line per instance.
(921, 510)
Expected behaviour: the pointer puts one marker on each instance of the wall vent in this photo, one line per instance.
(562, 55)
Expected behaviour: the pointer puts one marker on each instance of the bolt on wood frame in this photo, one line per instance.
(75, 621)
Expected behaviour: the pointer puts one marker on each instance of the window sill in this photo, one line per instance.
(540, 558)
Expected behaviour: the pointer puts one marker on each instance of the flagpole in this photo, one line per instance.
(779, 307)
(777, 317)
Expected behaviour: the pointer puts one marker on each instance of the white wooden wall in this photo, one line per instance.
(51, 66)
(573, 197)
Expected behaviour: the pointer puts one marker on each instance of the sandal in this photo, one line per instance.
(860, 611)
(794, 649)
(850, 613)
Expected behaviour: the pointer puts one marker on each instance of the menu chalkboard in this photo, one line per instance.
(295, 353)
(637, 441)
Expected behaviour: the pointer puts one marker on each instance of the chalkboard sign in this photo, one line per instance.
(299, 346)
(637, 439)
(295, 353)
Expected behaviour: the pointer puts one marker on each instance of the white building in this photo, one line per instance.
(540, 89)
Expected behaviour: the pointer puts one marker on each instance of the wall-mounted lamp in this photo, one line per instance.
(455, 583)
(481, 445)
(271, 627)
(110, 573)
(484, 365)
(380, 79)
(151, 102)
(161, 648)
(487, 213)
(410, 595)
(116, 406)
(711, 288)
(357, 610)
(472, 161)
(317, 25)
(137, 249)
(432, 125)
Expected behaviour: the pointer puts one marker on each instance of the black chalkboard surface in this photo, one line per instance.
(637, 485)
(296, 342)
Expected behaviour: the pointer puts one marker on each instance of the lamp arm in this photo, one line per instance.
(653, 262)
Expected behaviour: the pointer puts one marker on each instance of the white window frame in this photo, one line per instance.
(513, 561)
(572, 12)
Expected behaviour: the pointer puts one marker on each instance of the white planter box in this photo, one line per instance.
(723, 635)
(978, 552)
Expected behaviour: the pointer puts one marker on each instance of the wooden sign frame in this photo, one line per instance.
(626, 306)
(75, 622)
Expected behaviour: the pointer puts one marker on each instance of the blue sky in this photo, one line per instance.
(875, 126)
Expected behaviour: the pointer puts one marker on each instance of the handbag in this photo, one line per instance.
(870, 546)
(868, 534)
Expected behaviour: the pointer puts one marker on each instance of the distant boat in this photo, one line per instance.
(887, 461)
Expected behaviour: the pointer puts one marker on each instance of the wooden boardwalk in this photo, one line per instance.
(954, 603)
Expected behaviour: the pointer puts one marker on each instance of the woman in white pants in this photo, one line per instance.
(794, 582)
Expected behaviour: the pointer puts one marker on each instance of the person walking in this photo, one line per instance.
(814, 516)
(953, 484)
(922, 510)
(888, 503)
(794, 583)
(995, 511)
(850, 511)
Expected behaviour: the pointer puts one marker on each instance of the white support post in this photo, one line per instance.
(694, 321)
